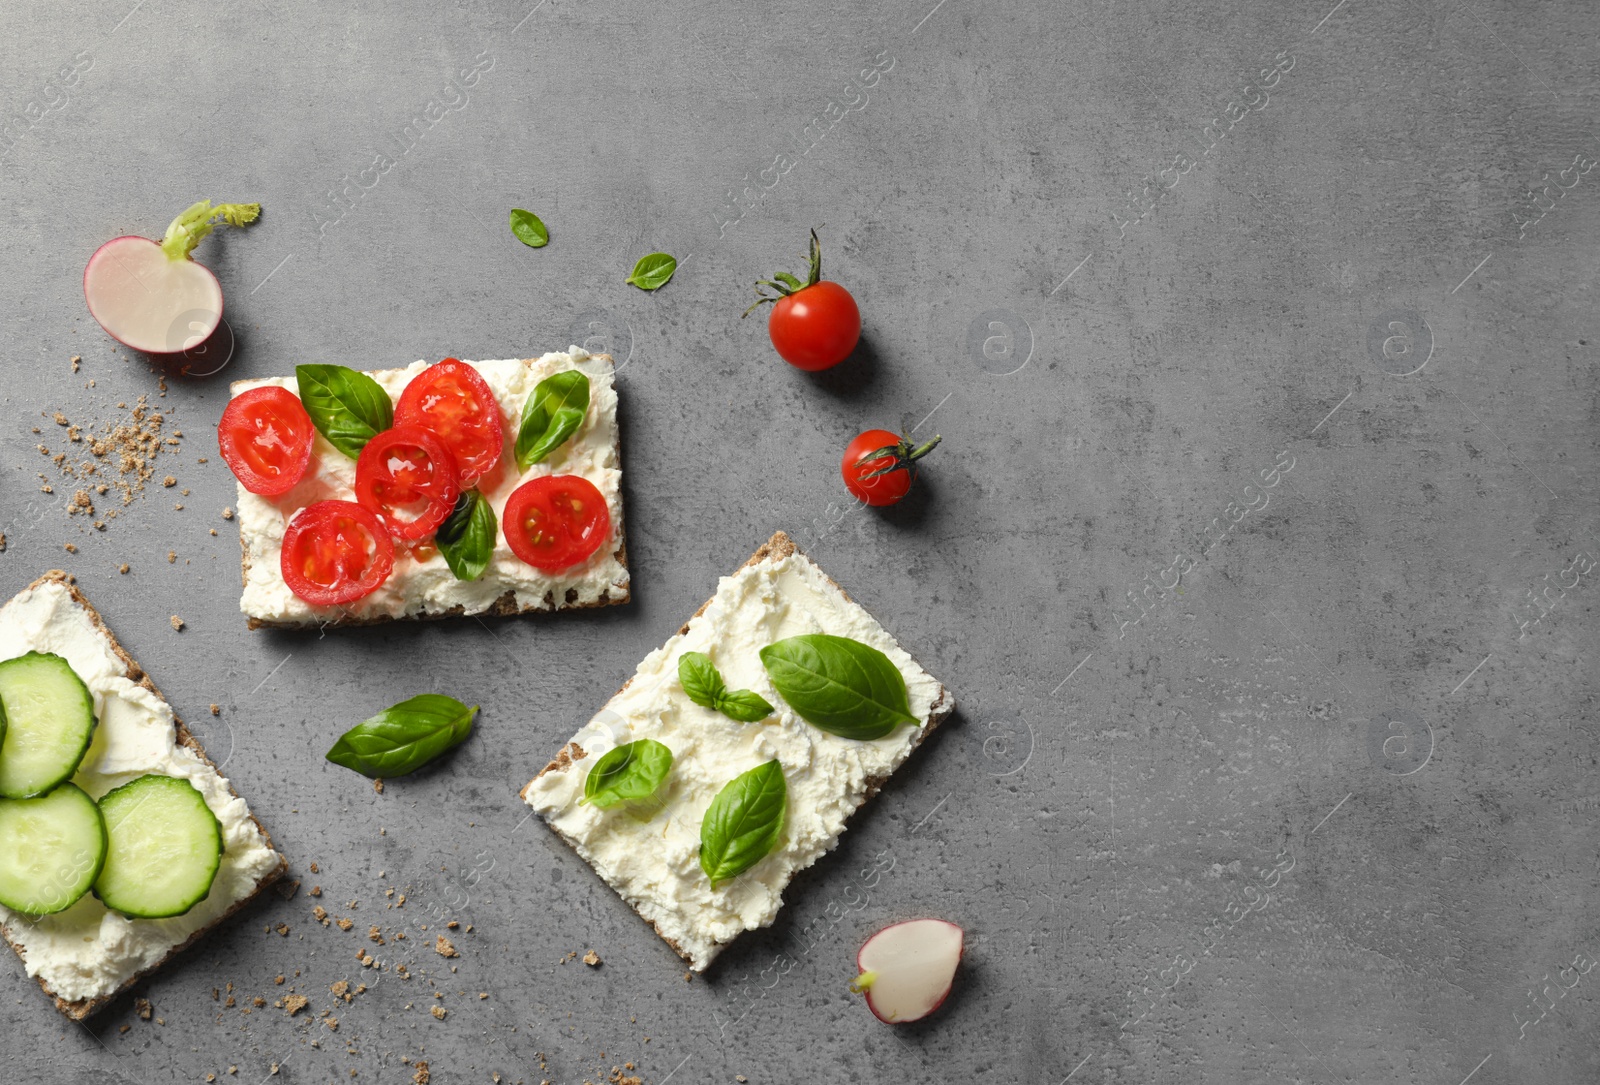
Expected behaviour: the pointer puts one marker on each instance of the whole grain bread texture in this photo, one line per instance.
(778, 547)
(505, 606)
(83, 1008)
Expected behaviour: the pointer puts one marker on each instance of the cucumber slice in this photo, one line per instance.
(165, 848)
(49, 721)
(51, 850)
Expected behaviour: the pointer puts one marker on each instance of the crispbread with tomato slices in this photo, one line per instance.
(85, 956)
(421, 585)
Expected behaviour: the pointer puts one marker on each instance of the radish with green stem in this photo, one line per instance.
(152, 295)
(907, 968)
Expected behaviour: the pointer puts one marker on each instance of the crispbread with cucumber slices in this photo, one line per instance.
(833, 762)
(139, 759)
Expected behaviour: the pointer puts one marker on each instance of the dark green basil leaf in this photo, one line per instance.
(466, 538)
(347, 407)
(653, 272)
(744, 705)
(403, 738)
(743, 822)
(627, 773)
(529, 229)
(840, 685)
(553, 412)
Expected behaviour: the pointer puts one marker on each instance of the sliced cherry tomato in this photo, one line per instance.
(453, 402)
(265, 436)
(814, 325)
(408, 478)
(880, 465)
(335, 552)
(556, 521)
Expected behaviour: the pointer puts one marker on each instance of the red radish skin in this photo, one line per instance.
(908, 969)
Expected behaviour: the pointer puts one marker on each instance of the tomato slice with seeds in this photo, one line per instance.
(335, 552)
(454, 402)
(407, 477)
(265, 437)
(554, 522)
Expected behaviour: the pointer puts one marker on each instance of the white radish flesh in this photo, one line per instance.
(147, 300)
(907, 968)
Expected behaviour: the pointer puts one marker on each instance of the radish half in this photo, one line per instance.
(907, 968)
(151, 295)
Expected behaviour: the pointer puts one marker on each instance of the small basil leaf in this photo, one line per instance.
(347, 407)
(402, 738)
(743, 822)
(529, 229)
(466, 538)
(553, 412)
(700, 679)
(744, 705)
(627, 773)
(653, 272)
(839, 685)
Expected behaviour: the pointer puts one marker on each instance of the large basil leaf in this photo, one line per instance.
(529, 228)
(466, 538)
(840, 685)
(347, 407)
(653, 272)
(743, 822)
(403, 738)
(626, 773)
(704, 685)
(553, 412)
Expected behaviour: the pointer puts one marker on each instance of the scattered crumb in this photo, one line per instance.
(295, 1003)
(688, 977)
(321, 913)
(233, 1069)
(71, 549)
(124, 1028)
(213, 531)
(227, 514)
(211, 1077)
(142, 1007)
(77, 360)
(2, 544)
(282, 929)
(421, 1076)
(216, 710)
(345, 923)
(483, 995)
(592, 959)
(377, 785)
(172, 557)
(452, 924)
(332, 1023)
(123, 568)
(375, 935)
(274, 1068)
(257, 1002)
(177, 622)
(314, 869)
(444, 947)
(169, 481)
(438, 1011)
(315, 891)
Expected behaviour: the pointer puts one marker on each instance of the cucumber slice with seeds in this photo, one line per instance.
(165, 846)
(49, 720)
(51, 850)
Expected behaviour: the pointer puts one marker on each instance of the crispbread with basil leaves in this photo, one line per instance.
(736, 812)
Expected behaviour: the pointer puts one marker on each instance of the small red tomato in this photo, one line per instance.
(265, 437)
(407, 477)
(335, 552)
(814, 325)
(455, 403)
(556, 521)
(880, 465)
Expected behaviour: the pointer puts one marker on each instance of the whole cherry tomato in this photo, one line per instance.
(265, 437)
(814, 325)
(880, 465)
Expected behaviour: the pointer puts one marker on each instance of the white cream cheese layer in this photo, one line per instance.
(655, 865)
(422, 582)
(87, 950)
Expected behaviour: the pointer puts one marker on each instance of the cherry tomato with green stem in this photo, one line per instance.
(814, 324)
(880, 465)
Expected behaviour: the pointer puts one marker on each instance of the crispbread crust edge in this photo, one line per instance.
(82, 1008)
(778, 547)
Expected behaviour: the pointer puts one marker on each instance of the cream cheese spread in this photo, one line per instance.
(655, 865)
(87, 951)
(422, 582)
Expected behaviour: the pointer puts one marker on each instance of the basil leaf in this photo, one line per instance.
(744, 705)
(466, 538)
(529, 229)
(743, 822)
(553, 412)
(347, 407)
(653, 272)
(703, 683)
(632, 771)
(839, 685)
(404, 737)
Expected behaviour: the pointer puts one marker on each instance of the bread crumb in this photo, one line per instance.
(211, 1077)
(332, 1023)
(169, 481)
(314, 869)
(421, 1076)
(227, 514)
(315, 891)
(172, 557)
(321, 913)
(257, 1002)
(213, 531)
(377, 785)
(375, 935)
(444, 947)
(438, 1011)
(77, 360)
(61, 419)
(142, 1007)
(124, 1028)
(2, 544)
(592, 959)
(216, 710)
(274, 1067)
(177, 623)
(71, 549)
(233, 1069)
(295, 1003)
(452, 924)
(482, 995)
(283, 929)
(345, 923)
(123, 568)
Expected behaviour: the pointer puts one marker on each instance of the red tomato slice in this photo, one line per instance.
(556, 521)
(335, 552)
(408, 478)
(265, 436)
(452, 401)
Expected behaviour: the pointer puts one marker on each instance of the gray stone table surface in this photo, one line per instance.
(1259, 552)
